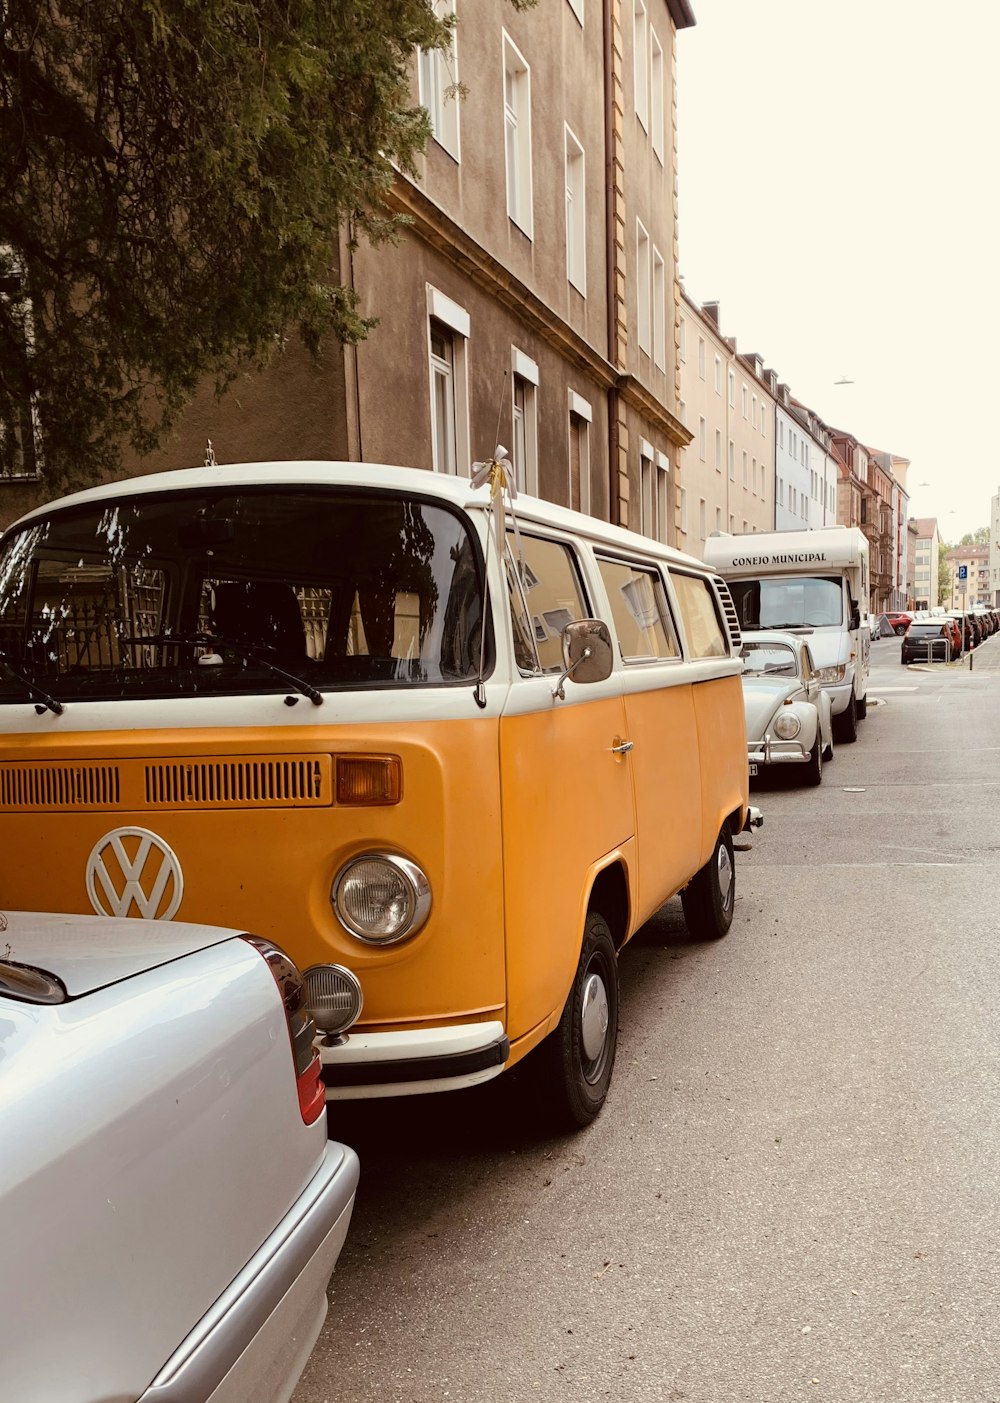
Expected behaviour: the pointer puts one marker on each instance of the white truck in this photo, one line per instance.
(814, 583)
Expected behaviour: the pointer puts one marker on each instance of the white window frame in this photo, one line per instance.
(456, 320)
(577, 7)
(659, 294)
(576, 212)
(662, 496)
(701, 357)
(702, 438)
(517, 136)
(643, 280)
(718, 450)
(525, 370)
(640, 61)
(718, 375)
(682, 340)
(580, 418)
(657, 88)
(437, 87)
(732, 389)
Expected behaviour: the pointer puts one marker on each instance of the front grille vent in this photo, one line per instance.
(59, 787)
(254, 782)
(732, 618)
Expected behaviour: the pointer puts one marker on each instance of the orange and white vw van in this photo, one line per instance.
(449, 755)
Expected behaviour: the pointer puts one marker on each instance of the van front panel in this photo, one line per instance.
(258, 836)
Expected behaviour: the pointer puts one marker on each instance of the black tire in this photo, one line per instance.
(814, 765)
(710, 896)
(862, 707)
(577, 1058)
(845, 726)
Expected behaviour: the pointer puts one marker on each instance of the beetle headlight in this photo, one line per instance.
(827, 675)
(334, 997)
(787, 725)
(381, 898)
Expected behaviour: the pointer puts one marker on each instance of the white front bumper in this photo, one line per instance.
(413, 1062)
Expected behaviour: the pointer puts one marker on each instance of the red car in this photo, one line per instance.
(899, 621)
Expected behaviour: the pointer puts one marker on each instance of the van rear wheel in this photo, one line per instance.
(578, 1057)
(710, 897)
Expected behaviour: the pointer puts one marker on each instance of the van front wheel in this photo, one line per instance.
(845, 726)
(579, 1055)
(710, 896)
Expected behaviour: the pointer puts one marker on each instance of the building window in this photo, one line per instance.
(702, 439)
(746, 471)
(577, 7)
(781, 433)
(718, 375)
(656, 89)
(732, 461)
(753, 412)
(702, 518)
(517, 130)
(640, 61)
(763, 420)
(642, 286)
(580, 416)
(662, 496)
(718, 450)
(524, 453)
(659, 310)
(682, 340)
(718, 518)
(732, 389)
(732, 522)
(701, 358)
(647, 490)
(684, 510)
(781, 491)
(753, 478)
(437, 71)
(448, 330)
(744, 395)
(576, 215)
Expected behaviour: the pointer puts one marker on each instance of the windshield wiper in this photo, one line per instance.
(42, 699)
(249, 655)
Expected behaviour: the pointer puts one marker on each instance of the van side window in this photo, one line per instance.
(701, 619)
(639, 610)
(554, 595)
(524, 641)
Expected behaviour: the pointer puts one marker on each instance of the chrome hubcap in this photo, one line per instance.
(725, 877)
(594, 1017)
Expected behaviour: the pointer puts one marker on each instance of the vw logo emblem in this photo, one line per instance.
(132, 867)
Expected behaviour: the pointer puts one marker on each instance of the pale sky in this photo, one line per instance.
(838, 196)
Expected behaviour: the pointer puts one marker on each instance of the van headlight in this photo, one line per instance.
(381, 898)
(830, 674)
(787, 725)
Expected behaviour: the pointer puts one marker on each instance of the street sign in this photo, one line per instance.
(963, 572)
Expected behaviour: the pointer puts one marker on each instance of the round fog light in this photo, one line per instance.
(334, 997)
(381, 898)
(787, 725)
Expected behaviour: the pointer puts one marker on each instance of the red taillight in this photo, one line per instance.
(301, 1029)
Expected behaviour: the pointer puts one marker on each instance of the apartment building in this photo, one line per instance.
(532, 296)
(925, 568)
(727, 403)
(972, 588)
(805, 469)
(994, 566)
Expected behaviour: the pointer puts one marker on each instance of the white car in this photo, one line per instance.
(789, 715)
(172, 1208)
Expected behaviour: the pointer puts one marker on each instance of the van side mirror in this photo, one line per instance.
(587, 653)
(855, 618)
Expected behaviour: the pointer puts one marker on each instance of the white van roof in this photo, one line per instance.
(457, 490)
(776, 552)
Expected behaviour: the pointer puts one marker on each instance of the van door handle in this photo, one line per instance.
(622, 747)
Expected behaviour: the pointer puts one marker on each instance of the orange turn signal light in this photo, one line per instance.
(369, 779)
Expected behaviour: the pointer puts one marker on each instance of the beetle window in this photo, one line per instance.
(702, 625)
(639, 611)
(553, 593)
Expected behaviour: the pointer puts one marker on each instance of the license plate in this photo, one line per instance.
(753, 770)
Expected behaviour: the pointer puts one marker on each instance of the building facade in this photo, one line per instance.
(532, 294)
(805, 491)
(970, 589)
(925, 567)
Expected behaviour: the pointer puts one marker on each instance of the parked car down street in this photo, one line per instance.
(932, 641)
(172, 1207)
(788, 712)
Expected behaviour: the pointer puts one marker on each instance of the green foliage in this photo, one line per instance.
(173, 176)
(979, 537)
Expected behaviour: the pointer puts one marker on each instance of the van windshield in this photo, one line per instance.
(789, 602)
(208, 592)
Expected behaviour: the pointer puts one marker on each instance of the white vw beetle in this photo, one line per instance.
(789, 715)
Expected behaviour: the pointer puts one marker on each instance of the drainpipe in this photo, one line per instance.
(609, 257)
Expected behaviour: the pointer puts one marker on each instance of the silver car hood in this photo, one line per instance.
(761, 698)
(90, 952)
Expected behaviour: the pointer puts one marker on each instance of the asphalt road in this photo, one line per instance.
(792, 1192)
